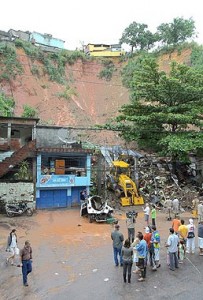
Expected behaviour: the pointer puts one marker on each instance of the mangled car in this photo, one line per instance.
(96, 209)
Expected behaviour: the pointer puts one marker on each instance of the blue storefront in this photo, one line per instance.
(61, 190)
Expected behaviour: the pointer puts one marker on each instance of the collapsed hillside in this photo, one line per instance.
(84, 100)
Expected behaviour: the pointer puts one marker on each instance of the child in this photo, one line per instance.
(181, 250)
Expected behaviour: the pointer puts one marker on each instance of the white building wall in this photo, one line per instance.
(17, 192)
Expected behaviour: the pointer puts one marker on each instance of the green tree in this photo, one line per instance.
(166, 110)
(29, 112)
(138, 37)
(10, 66)
(176, 32)
(24, 171)
(7, 105)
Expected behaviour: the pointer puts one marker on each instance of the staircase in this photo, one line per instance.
(17, 157)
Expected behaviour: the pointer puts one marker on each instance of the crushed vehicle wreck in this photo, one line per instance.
(96, 209)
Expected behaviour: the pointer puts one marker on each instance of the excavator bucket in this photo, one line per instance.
(125, 201)
(138, 201)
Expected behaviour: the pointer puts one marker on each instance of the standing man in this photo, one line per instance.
(176, 223)
(195, 203)
(155, 240)
(172, 245)
(200, 212)
(141, 248)
(183, 232)
(200, 237)
(168, 205)
(176, 206)
(146, 210)
(190, 244)
(118, 239)
(26, 260)
(153, 214)
(130, 223)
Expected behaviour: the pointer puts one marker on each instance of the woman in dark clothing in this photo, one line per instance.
(127, 254)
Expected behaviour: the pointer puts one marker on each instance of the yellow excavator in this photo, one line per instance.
(125, 188)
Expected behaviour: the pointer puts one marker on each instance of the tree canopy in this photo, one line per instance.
(177, 31)
(138, 37)
(166, 110)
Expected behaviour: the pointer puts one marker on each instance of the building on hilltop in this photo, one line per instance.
(46, 41)
(104, 50)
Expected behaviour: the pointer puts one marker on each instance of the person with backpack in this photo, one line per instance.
(190, 244)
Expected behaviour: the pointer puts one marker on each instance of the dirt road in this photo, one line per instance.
(73, 259)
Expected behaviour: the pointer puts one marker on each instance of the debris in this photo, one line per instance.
(106, 279)
(94, 270)
(160, 180)
(56, 273)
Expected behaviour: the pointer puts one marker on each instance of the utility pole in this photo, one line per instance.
(99, 173)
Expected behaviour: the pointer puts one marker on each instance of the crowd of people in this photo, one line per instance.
(143, 249)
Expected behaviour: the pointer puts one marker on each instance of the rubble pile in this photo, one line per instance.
(159, 180)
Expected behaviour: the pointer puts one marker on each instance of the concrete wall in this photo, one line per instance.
(54, 137)
(20, 34)
(17, 192)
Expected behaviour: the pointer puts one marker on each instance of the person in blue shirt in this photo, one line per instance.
(141, 248)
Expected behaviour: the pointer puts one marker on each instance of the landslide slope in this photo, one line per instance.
(84, 100)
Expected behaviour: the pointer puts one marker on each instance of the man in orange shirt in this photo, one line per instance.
(176, 223)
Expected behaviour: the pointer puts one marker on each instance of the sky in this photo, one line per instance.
(79, 22)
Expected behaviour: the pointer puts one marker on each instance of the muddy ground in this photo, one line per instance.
(73, 259)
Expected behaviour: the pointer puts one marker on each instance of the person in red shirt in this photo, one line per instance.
(147, 237)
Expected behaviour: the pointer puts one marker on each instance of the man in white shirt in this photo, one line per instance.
(172, 245)
(176, 206)
(168, 205)
(146, 210)
(200, 212)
